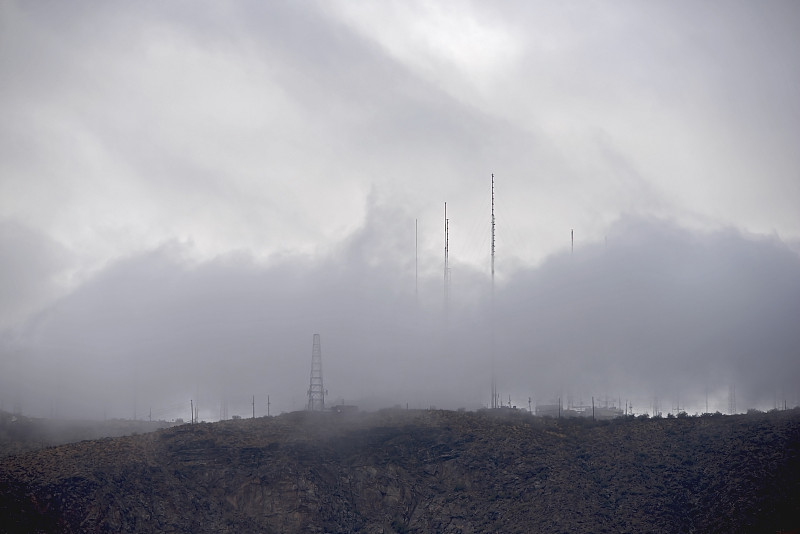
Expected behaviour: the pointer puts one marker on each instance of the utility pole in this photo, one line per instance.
(254, 406)
(267, 405)
(191, 406)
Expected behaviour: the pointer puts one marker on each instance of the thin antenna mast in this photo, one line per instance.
(494, 379)
(416, 260)
(446, 260)
(492, 232)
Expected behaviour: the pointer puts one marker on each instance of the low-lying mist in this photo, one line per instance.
(656, 316)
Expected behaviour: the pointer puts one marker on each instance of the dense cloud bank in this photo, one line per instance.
(655, 311)
(259, 125)
(189, 192)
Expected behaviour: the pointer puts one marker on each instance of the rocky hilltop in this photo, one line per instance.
(20, 434)
(418, 471)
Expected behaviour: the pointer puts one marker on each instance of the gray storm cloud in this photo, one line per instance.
(32, 271)
(250, 126)
(657, 311)
(189, 192)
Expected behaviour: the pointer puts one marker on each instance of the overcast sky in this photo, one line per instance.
(190, 190)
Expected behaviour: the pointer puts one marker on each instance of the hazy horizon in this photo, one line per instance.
(653, 312)
(189, 192)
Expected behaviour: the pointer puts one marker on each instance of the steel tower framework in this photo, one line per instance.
(316, 392)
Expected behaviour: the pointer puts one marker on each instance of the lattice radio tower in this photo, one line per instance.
(316, 392)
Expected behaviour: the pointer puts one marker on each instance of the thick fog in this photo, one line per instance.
(190, 191)
(653, 312)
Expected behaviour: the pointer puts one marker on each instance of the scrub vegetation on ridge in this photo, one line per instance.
(419, 471)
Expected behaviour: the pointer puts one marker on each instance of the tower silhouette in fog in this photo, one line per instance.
(316, 392)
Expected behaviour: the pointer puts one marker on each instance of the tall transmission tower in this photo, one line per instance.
(316, 393)
(492, 231)
(495, 398)
(446, 253)
(416, 262)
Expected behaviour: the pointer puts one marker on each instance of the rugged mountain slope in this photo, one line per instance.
(398, 471)
(20, 434)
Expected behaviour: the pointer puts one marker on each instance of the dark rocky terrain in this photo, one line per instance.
(399, 471)
(20, 434)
